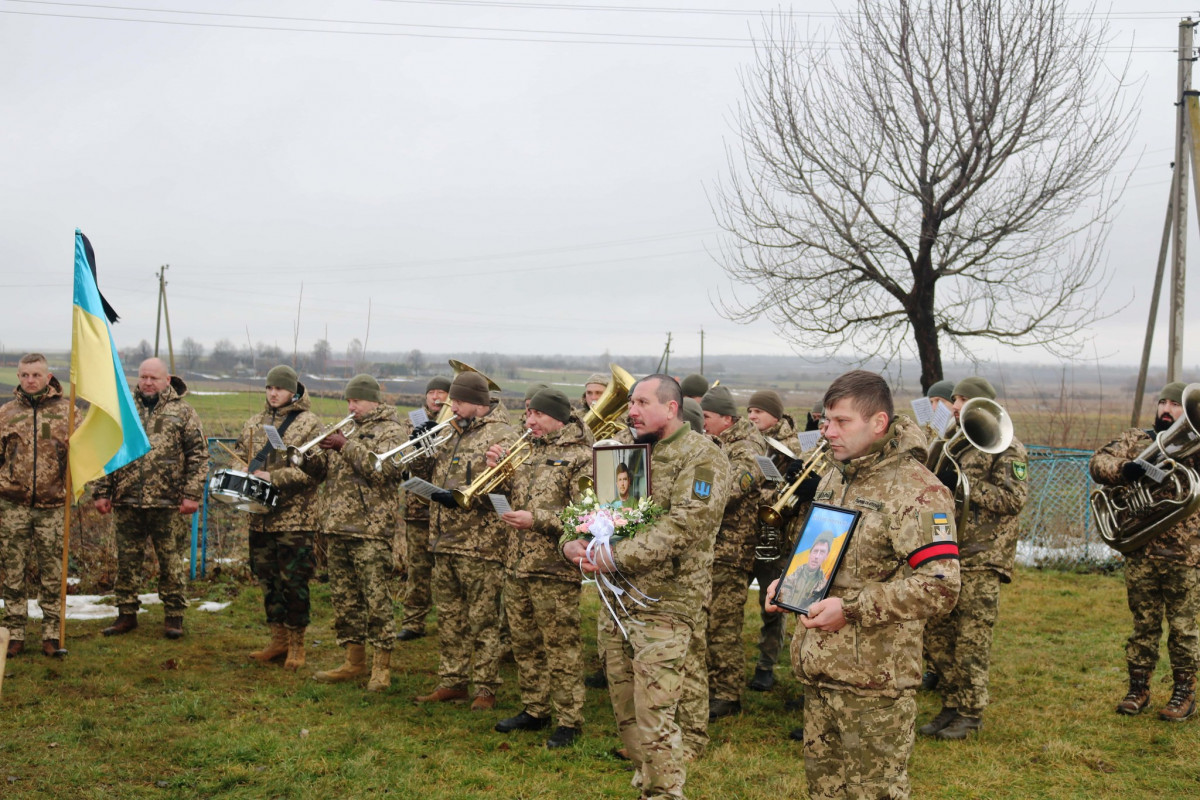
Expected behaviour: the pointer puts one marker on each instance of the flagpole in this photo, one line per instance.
(62, 616)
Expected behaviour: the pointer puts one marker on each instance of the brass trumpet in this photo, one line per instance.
(296, 455)
(424, 445)
(491, 478)
(603, 418)
(773, 514)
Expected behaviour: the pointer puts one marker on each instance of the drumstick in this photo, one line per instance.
(232, 454)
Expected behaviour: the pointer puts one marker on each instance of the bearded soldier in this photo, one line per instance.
(541, 590)
(468, 550)
(151, 493)
(361, 513)
(960, 643)
(418, 560)
(1162, 577)
(281, 540)
(672, 561)
(33, 469)
(733, 557)
(859, 653)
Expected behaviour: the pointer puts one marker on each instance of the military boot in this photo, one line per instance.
(960, 727)
(944, 718)
(354, 666)
(276, 649)
(295, 649)
(15, 648)
(381, 673)
(485, 700)
(1182, 704)
(1138, 696)
(124, 624)
(173, 627)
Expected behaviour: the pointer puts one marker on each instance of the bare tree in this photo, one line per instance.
(416, 362)
(224, 354)
(939, 174)
(192, 351)
(321, 353)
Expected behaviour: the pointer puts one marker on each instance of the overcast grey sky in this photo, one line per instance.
(486, 192)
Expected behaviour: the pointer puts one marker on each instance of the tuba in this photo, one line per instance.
(491, 478)
(1130, 515)
(296, 455)
(459, 367)
(982, 424)
(603, 419)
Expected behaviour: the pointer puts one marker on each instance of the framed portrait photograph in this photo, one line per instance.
(816, 558)
(621, 473)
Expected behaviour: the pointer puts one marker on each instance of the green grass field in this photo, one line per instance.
(141, 717)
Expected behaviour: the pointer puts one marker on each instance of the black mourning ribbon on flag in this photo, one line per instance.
(109, 311)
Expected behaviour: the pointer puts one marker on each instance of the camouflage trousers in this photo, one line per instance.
(857, 747)
(1158, 588)
(692, 713)
(543, 616)
(726, 619)
(467, 593)
(31, 535)
(418, 599)
(959, 644)
(282, 561)
(360, 589)
(168, 534)
(645, 681)
(774, 625)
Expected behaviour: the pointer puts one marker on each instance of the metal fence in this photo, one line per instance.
(1057, 528)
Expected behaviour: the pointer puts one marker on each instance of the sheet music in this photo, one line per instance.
(418, 417)
(808, 440)
(500, 503)
(420, 487)
(274, 438)
(942, 417)
(1156, 474)
(923, 409)
(769, 470)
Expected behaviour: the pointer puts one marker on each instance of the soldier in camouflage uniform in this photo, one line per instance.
(281, 540)
(541, 590)
(150, 494)
(765, 410)
(593, 389)
(733, 556)
(1162, 577)
(418, 598)
(33, 468)
(670, 561)
(960, 643)
(361, 514)
(469, 550)
(858, 651)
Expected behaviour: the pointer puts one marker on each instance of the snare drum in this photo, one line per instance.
(243, 491)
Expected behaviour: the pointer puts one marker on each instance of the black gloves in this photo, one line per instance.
(949, 478)
(422, 429)
(444, 497)
(793, 470)
(1132, 470)
(807, 490)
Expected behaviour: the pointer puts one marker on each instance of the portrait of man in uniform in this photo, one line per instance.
(814, 561)
(620, 474)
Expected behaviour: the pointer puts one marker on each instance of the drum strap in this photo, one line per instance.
(259, 461)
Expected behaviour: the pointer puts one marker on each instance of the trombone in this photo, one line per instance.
(982, 424)
(491, 478)
(296, 455)
(424, 445)
(773, 515)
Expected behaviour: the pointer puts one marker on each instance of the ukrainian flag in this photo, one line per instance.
(111, 435)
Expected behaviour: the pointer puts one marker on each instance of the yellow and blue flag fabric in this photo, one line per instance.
(111, 435)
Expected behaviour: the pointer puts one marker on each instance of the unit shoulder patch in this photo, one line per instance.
(702, 484)
(1020, 470)
(936, 526)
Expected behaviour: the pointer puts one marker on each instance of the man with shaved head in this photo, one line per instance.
(149, 495)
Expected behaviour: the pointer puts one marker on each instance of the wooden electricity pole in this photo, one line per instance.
(164, 315)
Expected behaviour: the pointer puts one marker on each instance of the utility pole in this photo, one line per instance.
(164, 315)
(701, 349)
(1179, 248)
(664, 361)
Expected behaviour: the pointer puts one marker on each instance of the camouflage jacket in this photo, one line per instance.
(672, 559)
(899, 569)
(296, 510)
(739, 525)
(416, 508)
(545, 484)
(786, 433)
(475, 532)
(1179, 543)
(998, 492)
(177, 464)
(33, 447)
(361, 502)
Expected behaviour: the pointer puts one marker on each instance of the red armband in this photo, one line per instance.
(935, 551)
